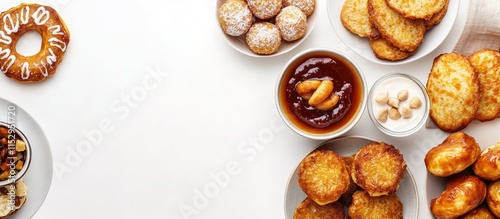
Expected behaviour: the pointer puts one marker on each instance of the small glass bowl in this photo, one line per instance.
(392, 84)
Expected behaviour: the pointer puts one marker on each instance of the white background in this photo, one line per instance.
(212, 110)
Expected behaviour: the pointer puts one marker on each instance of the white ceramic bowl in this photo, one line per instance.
(358, 96)
(239, 43)
(346, 146)
(393, 83)
(14, 132)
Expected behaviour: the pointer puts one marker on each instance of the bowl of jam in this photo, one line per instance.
(321, 93)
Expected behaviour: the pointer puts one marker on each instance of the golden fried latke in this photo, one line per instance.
(487, 165)
(384, 50)
(493, 198)
(378, 168)
(364, 206)
(457, 152)
(462, 194)
(486, 64)
(353, 187)
(480, 212)
(403, 33)
(323, 176)
(354, 17)
(417, 9)
(453, 89)
(308, 209)
(437, 17)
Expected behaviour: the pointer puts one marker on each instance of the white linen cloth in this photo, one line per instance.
(482, 28)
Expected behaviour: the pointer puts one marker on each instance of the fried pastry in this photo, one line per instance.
(487, 165)
(346, 198)
(323, 176)
(264, 38)
(384, 50)
(265, 9)
(354, 17)
(417, 9)
(437, 17)
(364, 206)
(403, 33)
(457, 152)
(307, 6)
(55, 41)
(235, 17)
(486, 64)
(493, 198)
(378, 168)
(462, 194)
(292, 23)
(453, 90)
(480, 212)
(308, 209)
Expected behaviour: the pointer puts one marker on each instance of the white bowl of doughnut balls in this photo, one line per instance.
(263, 28)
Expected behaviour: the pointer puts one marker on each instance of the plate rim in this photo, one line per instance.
(30, 127)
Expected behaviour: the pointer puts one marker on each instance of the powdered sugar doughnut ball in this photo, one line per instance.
(292, 23)
(264, 38)
(235, 17)
(265, 9)
(307, 6)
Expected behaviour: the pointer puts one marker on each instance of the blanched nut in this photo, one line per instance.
(394, 102)
(415, 103)
(406, 112)
(383, 115)
(382, 98)
(403, 95)
(329, 103)
(394, 114)
(306, 88)
(322, 93)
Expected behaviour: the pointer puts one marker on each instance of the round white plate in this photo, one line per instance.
(239, 43)
(361, 46)
(347, 146)
(39, 176)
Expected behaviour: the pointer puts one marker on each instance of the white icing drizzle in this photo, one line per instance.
(41, 16)
(14, 27)
(25, 71)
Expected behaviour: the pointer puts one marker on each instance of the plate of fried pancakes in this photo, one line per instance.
(392, 32)
(352, 177)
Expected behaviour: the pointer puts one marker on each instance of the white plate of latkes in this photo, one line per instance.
(347, 146)
(432, 39)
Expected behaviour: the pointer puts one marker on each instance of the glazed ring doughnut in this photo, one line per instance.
(55, 38)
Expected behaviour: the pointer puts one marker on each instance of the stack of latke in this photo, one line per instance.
(364, 183)
(395, 28)
(462, 89)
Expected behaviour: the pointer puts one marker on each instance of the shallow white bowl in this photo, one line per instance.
(240, 44)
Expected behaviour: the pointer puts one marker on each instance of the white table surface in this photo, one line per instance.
(211, 112)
